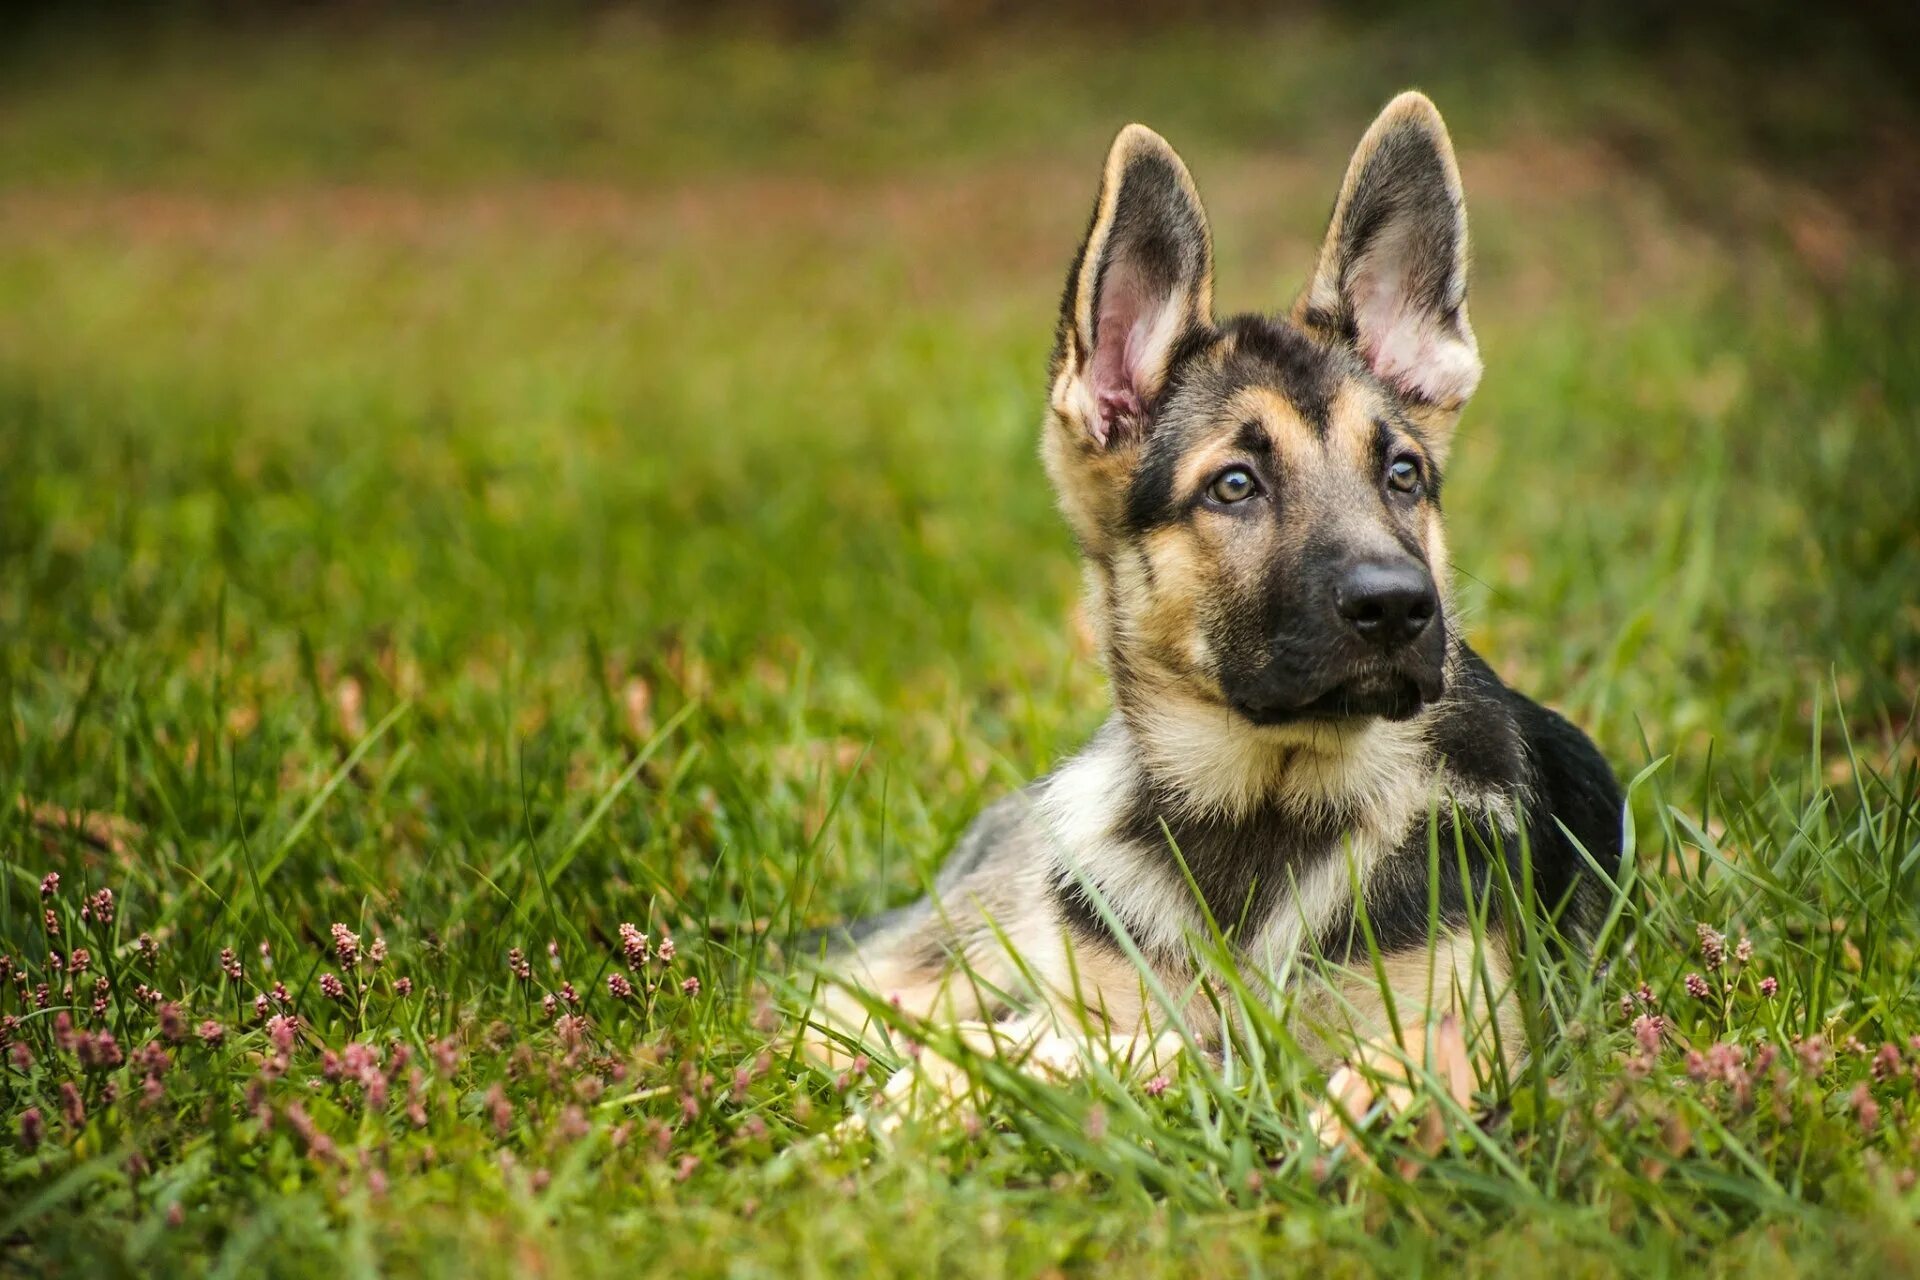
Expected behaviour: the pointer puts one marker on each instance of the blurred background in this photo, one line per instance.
(552, 370)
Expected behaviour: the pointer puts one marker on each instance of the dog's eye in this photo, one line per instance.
(1236, 484)
(1404, 475)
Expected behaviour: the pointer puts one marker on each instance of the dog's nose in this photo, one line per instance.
(1386, 603)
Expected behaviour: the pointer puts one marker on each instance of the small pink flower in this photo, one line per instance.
(691, 986)
(446, 1056)
(98, 1052)
(32, 1128)
(49, 884)
(633, 946)
(147, 947)
(687, 1165)
(568, 994)
(72, 1109)
(549, 1004)
(1697, 986)
(346, 945)
(517, 965)
(1814, 1054)
(211, 1033)
(1713, 946)
(1769, 987)
(1886, 1063)
(20, 1056)
(173, 1023)
(499, 1108)
(618, 987)
(377, 953)
(261, 1006)
(1648, 1029)
(1697, 1066)
(1744, 951)
(79, 960)
(666, 950)
(331, 987)
(1865, 1109)
(573, 1124)
(282, 1031)
(1156, 1086)
(230, 965)
(403, 987)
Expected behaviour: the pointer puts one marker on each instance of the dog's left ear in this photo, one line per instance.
(1392, 274)
(1143, 280)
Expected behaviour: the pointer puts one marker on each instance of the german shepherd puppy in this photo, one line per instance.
(1296, 715)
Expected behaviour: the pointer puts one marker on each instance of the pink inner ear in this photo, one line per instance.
(1409, 346)
(1114, 371)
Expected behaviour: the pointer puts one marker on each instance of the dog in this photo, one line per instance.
(1305, 761)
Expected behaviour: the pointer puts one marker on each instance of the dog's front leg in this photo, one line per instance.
(1443, 1018)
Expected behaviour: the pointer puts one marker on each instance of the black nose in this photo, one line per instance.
(1386, 602)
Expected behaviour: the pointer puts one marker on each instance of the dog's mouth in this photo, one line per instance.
(1395, 697)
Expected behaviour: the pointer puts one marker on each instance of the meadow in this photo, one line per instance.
(467, 490)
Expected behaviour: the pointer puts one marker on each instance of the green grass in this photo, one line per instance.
(481, 488)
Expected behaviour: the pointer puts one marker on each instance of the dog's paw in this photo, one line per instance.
(1382, 1081)
(934, 1088)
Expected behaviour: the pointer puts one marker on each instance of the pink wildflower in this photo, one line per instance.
(377, 953)
(32, 1128)
(1886, 1063)
(98, 1052)
(49, 884)
(1156, 1086)
(1713, 946)
(1697, 987)
(147, 948)
(173, 1023)
(72, 1109)
(500, 1109)
(618, 987)
(633, 946)
(282, 1030)
(261, 1006)
(666, 950)
(230, 965)
(517, 965)
(1865, 1109)
(1814, 1054)
(1647, 1030)
(403, 987)
(331, 987)
(691, 986)
(346, 945)
(211, 1033)
(1769, 986)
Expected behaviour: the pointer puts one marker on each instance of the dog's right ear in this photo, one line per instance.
(1142, 282)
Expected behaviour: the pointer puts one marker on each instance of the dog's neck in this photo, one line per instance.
(1204, 761)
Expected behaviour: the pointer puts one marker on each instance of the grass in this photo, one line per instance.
(481, 487)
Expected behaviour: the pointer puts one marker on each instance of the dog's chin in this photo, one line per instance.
(1349, 702)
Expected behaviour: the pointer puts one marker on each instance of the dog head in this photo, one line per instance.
(1258, 497)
